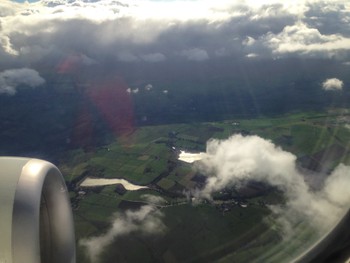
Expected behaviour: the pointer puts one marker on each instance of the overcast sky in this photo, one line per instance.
(159, 31)
(168, 37)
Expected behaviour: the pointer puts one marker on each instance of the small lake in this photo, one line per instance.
(191, 157)
(90, 182)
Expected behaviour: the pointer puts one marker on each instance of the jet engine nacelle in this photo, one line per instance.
(36, 223)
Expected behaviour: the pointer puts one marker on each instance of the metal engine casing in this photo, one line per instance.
(36, 222)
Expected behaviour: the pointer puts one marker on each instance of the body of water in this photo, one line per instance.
(90, 182)
(191, 157)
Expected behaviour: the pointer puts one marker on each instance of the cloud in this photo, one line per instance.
(302, 39)
(154, 199)
(6, 44)
(127, 57)
(154, 57)
(148, 87)
(252, 55)
(155, 32)
(221, 52)
(337, 186)
(333, 84)
(239, 159)
(146, 220)
(195, 54)
(73, 62)
(134, 91)
(85, 60)
(10, 79)
(328, 16)
(249, 41)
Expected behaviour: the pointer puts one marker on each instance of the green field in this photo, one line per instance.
(194, 233)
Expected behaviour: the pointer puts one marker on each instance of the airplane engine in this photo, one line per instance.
(36, 223)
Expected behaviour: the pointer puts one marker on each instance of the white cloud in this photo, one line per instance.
(249, 41)
(154, 199)
(332, 84)
(252, 55)
(246, 158)
(7, 46)
(337, 186)
(195, 54)
(154, 57)
(11, 78)
(148, 87)
(300, 38)
(235, 161)
(146, 220)
(183, 10)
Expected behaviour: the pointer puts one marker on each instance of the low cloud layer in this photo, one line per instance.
(332, 84)
(12, 78)
(235, 161)
(146, 220)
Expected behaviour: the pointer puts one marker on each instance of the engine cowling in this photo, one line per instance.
(36, 222)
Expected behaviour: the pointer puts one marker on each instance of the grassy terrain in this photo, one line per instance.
(194, 233)
(148, 156)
